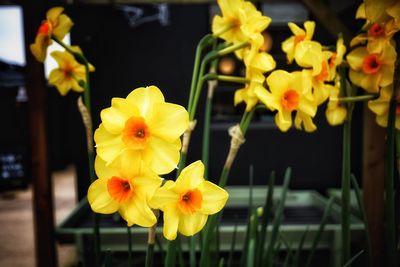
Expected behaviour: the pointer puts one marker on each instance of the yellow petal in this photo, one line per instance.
(380, 106)
(102, 171)
(130, 162)
(171, 222)
(53, 14)
(382, 120)
(190, 177)
(39, 48)
(192, 224)
(115, 117)
(283, 119)
(162, 156)
(336, 116)
(144, 99)
(108, 146)
(296, 30)
(263, 62)
(288, 47)
(387, 75)
(309, 54)
(164, 196)
(360, 13)
(63, 27)
(304, 120)
(214, 198)
(99, 199)
(146, 183)
(306, 106)
(309, 26)
(375, 11)
(271, 101)
(169, 121)
(358, 39)
(278, 82)
(136, 211)
(356, 58)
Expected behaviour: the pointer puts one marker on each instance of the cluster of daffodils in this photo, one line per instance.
(137, 141)
(372, 61)
(296, 96)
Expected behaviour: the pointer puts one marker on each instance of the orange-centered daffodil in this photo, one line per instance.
(142, 126)
(57, 25)
(125, 188)
(289, 46)
(288, 92)
(188, 201)
(370, 70)
(69, 72)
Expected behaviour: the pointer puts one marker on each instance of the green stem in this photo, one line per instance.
(149, 255)
(361, 98)
(201, 45)
(346, 172)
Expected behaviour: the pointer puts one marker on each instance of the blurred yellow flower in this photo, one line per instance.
(335, 113)
(142, 126)
(288, 92)
(247, 94)
(289, 46)
(337, 58)
(188, 201)
(69, 72)
(57, 25)
(126, 189)
(371, 71)
(240, 22)
(380, 107)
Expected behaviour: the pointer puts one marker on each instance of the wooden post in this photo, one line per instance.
(373, 183)
(34, 13)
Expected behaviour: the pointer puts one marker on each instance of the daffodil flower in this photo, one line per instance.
(247, 94)
(142, 126)
(335, 113)
(69, 72)
(187, 202)
(380, 107)
(57, 25)
(124, 189)
(370, 70)
(337, 58)
(288, 92)
(240, 22)
(289, 46)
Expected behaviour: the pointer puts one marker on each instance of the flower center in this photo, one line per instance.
(68, 72)
(44, 28)
(323, 75)
(298, 39)
(290, 100)
(136, 133)
(190, 202)
(371, 64)
(376, 30)
(119, 189)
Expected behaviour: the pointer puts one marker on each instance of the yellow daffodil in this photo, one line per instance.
(337, 58)
(380, 107)
(308, 54)
(57, 25)
(247, 94)
(377, 10)
(304, 121)
(289, 46)
(142, 126)
(371, 71)
(335, 113)
(188, 201)
(258, 61)
(240, 22)
(378, 36)
(69, 72)
(126, 189)
(288, 92)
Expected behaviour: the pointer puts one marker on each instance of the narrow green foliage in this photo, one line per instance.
(296, 256)
(265, 218)
(268, 257)
(149, 255)
(363, 215)
(108, 262)
(353, 259)
(232, 250)
(129, 236)
(324, 220)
